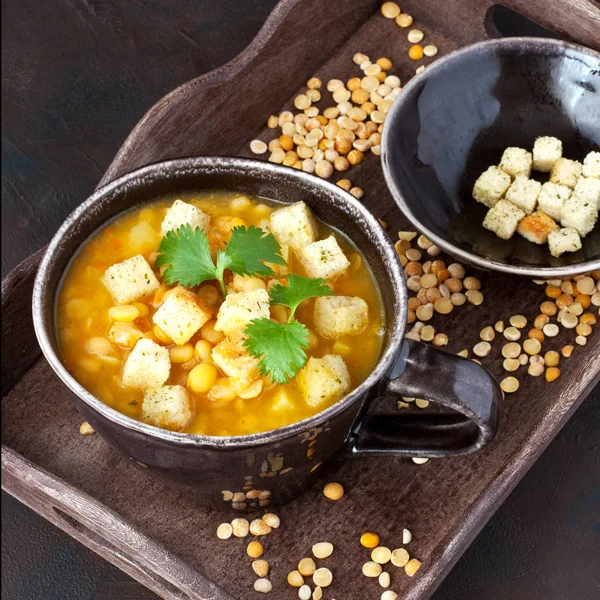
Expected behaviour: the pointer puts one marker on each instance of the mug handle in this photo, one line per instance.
(422, 371)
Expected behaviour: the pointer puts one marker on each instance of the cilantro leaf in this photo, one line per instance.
(280, 347)
(188, 255)
(298, 289)
(247, 252)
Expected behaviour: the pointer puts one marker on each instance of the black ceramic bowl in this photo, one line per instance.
(455, 119)
(276, 465)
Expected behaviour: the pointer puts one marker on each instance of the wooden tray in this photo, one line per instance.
(161, 536)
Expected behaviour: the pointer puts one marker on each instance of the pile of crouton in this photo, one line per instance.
(559, 212)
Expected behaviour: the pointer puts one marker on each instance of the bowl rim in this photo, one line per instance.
(45, 294)
(413, 86)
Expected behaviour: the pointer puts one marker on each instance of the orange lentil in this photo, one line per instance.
(584, 300)
(416, 52)
(552, 291)
(588, 319)
(567, 351)
(287, 143)
(443, 275)
(583, 329)
(552, 373)
(536, 334)
(369, 540)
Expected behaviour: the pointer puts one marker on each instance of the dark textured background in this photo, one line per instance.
(77, 75)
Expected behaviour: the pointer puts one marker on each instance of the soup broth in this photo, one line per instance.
(95, 346)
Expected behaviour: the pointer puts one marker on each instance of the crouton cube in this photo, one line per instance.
(516, 161)
(241, 308)
(335, 316)
(503, 219)
(323, 259)
(181, 314)
(546, 151)
(130, 280)
(124, 335)
(294, 225)
(323, 380)
(591, 165)
(168, 407)
(147, 366)
(491, 186)
(523, 193)
(580, 214)
(552, 199)
(566, 172)
(231, 357)
(181, 213)
(564, 240)
(536, 227)
(588, 188)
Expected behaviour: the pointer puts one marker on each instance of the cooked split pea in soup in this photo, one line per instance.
(175, 357)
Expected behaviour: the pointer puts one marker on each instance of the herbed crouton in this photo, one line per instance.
(130, 280)
(323, 380)
(241, 308)
(536, 227)
(580, 214)
(323, 259)
(335, 316)
(168, 407)
(546, 151)
(566, 172)
(147, 366)
(563, 240)
(516, 161)
(503, 219)
(491, 186)
(552, 199)
(523, 193)
(231, 357)
(588, 188)
(591, 165)
(181, 314)
(181, 213)
(294, 225)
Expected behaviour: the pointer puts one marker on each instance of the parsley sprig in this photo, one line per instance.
(187, 254)
(281, 346)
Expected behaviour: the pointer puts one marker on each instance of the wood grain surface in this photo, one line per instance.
(445, 503)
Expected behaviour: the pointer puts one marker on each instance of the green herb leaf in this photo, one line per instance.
(247, 252)
(298, 289)
(280, 347)
(188, 255)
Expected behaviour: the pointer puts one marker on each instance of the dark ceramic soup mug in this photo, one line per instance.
(272, 467)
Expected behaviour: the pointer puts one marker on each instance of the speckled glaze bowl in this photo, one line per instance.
(455, 119)
(252, 471)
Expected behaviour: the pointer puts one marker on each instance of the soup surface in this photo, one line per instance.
(96, 338)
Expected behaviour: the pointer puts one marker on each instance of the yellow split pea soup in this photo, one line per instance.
(175, 357)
